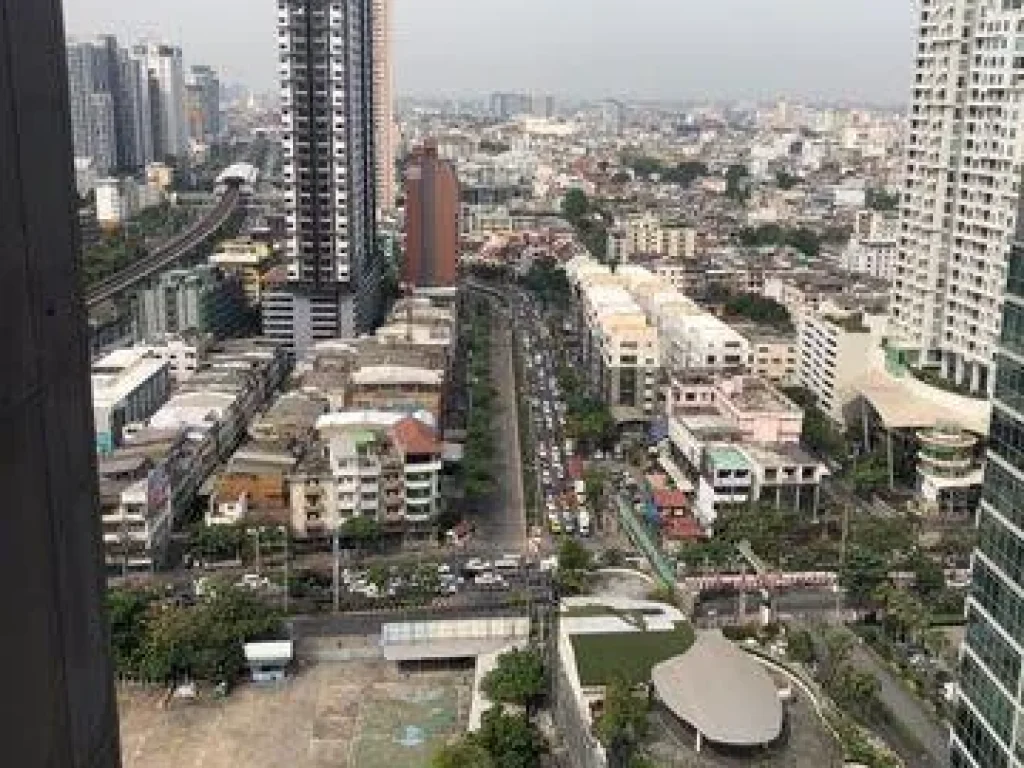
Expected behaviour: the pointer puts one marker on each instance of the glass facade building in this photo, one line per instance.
(988, 729)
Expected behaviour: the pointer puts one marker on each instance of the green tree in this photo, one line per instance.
(644, 166)
(622, 724)
(854, 690)
(801, 646)
(511, 739)
(760, 309)
(575, 205)
(735, 179)
(362, 530)
(862, 574)
(820, 435)
(464, 753)
(216, 542)
(518, 678)
(784, 180)
(929, 580)
(128, 614)
(573, 556)
(204, 641)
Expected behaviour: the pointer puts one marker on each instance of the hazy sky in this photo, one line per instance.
(737, 49)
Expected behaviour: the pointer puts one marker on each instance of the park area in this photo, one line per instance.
(344, 715)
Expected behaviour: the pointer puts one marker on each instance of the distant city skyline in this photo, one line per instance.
(735, 50)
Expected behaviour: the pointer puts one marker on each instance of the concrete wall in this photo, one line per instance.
(59, 707)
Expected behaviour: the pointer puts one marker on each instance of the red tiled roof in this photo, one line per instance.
(574, 468)
(413, 436)
(665, 499)
(685, 528)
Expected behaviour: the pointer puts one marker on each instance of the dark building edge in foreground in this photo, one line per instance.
(59, 707)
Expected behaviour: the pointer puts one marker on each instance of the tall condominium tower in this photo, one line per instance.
(333, 286)
(167, 98)
(110, 112)
(431, 220)
(988, 728)
(135, 121)
(93, 115)
(202, 99)
(958, 206)
(383, 104)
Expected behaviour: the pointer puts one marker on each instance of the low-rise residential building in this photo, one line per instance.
(135, 508)
(180, 445)
(620, 350)
(128, 386)
(807, 293)
(648, 235)
(249, 260)
(185, 353)
(739, 437)
(202, 299)
(834, 351)
(381, 465)
(872, 246)
(774, 354)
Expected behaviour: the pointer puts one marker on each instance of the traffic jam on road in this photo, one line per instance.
(563, 498)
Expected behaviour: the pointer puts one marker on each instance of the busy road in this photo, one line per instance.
(561, 499)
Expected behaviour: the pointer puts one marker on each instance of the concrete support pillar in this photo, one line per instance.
(948, 366)
(975, 377)
(59, 683)
(960, 372)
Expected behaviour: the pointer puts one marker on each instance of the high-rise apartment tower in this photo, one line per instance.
(958, 207)
(333, 286)
(988, 727)
(167, 98)
(383, 104)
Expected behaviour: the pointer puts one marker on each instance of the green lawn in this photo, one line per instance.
(628, 655)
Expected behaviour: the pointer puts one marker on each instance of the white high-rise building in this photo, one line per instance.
(326, 69)
(167, 98)
(383, 104)
(959, 198)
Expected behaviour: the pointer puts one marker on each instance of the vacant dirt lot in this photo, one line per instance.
(351, 715)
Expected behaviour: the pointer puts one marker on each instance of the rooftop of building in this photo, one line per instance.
(121, 372)
(367, 419)
(718, 689)
(779, 455)
(752, 393)
(413, 436)
(727, 457)
(380, 375)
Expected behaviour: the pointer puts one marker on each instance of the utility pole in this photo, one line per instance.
(337, 570)
(842, 559)
(287, 557)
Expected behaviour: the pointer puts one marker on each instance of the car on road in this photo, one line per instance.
(475, 566)
(490, 580)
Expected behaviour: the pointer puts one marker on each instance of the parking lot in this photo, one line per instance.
(365, 714)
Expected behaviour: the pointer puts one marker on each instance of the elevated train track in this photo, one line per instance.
(170, 252)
